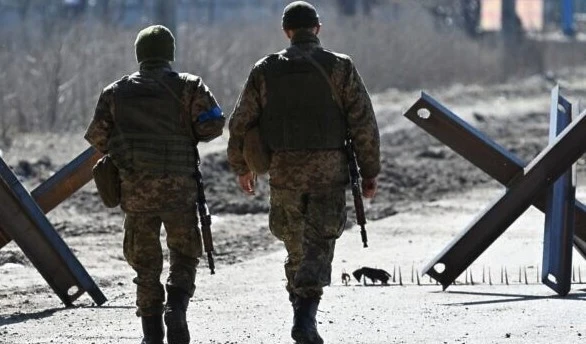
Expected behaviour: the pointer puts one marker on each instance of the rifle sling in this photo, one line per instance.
(184, 120)
(323, 72)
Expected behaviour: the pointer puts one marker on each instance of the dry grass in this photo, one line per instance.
(51, 75)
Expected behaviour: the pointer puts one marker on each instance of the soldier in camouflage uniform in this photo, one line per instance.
(148, 123)
(293, 104)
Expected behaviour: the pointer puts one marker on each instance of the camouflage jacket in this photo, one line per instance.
(142, 192)
(315, 169)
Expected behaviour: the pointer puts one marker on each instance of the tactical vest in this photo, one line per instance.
(301, 113)
(149, 133)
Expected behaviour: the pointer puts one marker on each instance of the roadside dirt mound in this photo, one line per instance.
(415, 167)
(13, 257)
(418, 167)
(34, 170)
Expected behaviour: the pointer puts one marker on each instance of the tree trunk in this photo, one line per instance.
(166, 14)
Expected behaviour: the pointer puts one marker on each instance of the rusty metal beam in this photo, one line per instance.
(66, 181)
(525, 184)
(62, 184)
(559, 214)
(26, 223)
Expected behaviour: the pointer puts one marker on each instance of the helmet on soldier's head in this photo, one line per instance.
(155, 43)
(300, 15)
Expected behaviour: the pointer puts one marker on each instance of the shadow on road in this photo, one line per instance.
(21, 317)
(504, 297)
(363, 285)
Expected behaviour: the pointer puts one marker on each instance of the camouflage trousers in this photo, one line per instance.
(308, 223)
(143, 251)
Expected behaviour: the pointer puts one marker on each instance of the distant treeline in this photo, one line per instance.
(130, 12)
(53, 69)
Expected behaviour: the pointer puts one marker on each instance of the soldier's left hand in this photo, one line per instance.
(246, 182)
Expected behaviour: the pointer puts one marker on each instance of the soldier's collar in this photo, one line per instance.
(305, 37)
(150, 65)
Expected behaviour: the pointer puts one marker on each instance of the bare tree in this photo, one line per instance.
(23, 9)
(166, 14)
(347, 7)
(53, 70)
(104, 10)
(53, 82)
(211, 11)
(512, 27)
(5, 122)
(471, 16)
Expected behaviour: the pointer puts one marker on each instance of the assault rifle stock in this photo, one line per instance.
(356, 191)
(205, 219)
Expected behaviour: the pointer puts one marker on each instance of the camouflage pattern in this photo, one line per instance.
(142, 192)
(308, 204)
(151, 200)
(142, 250)
(308, 224)
(309, 170)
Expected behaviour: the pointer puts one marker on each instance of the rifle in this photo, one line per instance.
(205, 218)
(356, 192)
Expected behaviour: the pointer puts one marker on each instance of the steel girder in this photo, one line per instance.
(62, 184)
(525, 184)
(559, 213)
(23, 220)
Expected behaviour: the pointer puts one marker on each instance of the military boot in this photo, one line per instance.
(175, 317)
(152, 328)
(304, 329)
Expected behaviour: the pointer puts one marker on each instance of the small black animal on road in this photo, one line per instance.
(345, 277)
(372, 274)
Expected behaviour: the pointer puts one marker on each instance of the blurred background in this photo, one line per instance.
(57, 55)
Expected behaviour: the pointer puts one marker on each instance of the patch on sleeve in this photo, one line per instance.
(214, 113)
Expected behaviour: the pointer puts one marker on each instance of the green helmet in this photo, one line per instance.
(155, 43)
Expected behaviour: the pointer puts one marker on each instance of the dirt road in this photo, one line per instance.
(245, 302)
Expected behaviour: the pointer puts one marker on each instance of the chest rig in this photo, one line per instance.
(150, 133)
(300, 113)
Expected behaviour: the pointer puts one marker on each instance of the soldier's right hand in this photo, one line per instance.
(369, 187)
(246, 182)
